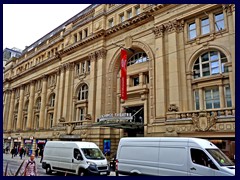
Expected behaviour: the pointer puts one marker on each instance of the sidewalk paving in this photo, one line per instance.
(17, 158)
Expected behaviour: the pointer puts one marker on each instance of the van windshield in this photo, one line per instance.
(220, 157)
(93, 153)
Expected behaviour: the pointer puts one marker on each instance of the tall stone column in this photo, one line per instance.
(6, 107)
(20, 109)
(42, 116)
(100, 83)
(56, 99)
(10, 115)
(92, 87)
(229, 11)
(174, 63)
(160, 73)
(30, 106)
(60, 93)
(189, 91)
(221, 96)
(201, 99)
(67, 92)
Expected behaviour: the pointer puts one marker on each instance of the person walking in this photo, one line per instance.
(13, 152)
(30, 167)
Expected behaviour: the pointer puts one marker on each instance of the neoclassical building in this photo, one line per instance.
(180, 77)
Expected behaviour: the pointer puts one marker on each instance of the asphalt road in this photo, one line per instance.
(14, 163)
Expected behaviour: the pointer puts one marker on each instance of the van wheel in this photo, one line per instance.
(116, 173)
(48, 170)
(81, 172)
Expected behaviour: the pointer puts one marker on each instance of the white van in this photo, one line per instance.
(80, 158)
(170, 156)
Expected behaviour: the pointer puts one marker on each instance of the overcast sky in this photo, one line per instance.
(23, 24)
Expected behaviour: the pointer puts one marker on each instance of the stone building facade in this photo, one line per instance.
(180, 77)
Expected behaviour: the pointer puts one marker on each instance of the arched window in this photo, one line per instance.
(52, 100)
(38, 103)
(210, 63)
(139, 57)
(83, 92)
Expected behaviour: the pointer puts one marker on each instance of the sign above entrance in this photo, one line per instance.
(116, 116)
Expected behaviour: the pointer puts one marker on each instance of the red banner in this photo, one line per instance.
(123, 74)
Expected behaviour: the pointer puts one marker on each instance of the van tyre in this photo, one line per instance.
(48, 170)
(81, 172)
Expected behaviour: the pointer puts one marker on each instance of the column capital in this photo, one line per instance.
(174, 26)
(32, 82)
(44, 77)
(159, 30)
(69, 66)
(101, 54)
(228, 8)
(92, 56)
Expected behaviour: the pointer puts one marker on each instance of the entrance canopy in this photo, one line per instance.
(119, 121)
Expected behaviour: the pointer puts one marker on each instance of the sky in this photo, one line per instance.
(23, 24)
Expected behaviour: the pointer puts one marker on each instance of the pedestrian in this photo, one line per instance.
(13, 152)
(41, 154)
(36, 152)
(21, 152)
(30, 167)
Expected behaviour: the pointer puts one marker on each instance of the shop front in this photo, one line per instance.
(41, 143)
(28, 145)
(6, 145)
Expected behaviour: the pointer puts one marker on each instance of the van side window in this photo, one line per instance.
(199, 157)
(77, 154)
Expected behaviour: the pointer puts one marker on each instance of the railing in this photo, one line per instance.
(187, 115)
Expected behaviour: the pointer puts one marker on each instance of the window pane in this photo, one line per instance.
(205, 69)
(205, 22)
(219, 25)
(192, 34)
(215, 67)
(205, 30)
(208, 105)
(205, 57)
(219, 17)
(192, 26)
(213, 55)
(196, 100)
(216, 104)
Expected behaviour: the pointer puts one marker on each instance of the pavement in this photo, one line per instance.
(17, 158)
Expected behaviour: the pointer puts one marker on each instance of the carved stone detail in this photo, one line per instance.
(70, 128)
(204, 122)
(229, 8)
(159, 30)
(173, 26)
(92, 56)
(61, 119)
(128, 42)
(101, 53)
(173, 108)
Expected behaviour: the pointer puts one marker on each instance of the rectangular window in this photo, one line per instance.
(196, 99)
(137, 10)
(212, 99)
(192, 31)
(205, 26)
(81, 114)
(77, 69)
(51, 119)
(228, 100)
(86, 32)
(110, 23)
(219, 22)
(88, 65)
(129, 14)
(80, 35)
(83, 67)
(135, 81)
(121, 18)
(75, 37)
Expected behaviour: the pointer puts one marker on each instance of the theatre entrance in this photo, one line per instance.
(138, 118)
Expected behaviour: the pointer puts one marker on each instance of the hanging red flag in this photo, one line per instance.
(123, 74)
